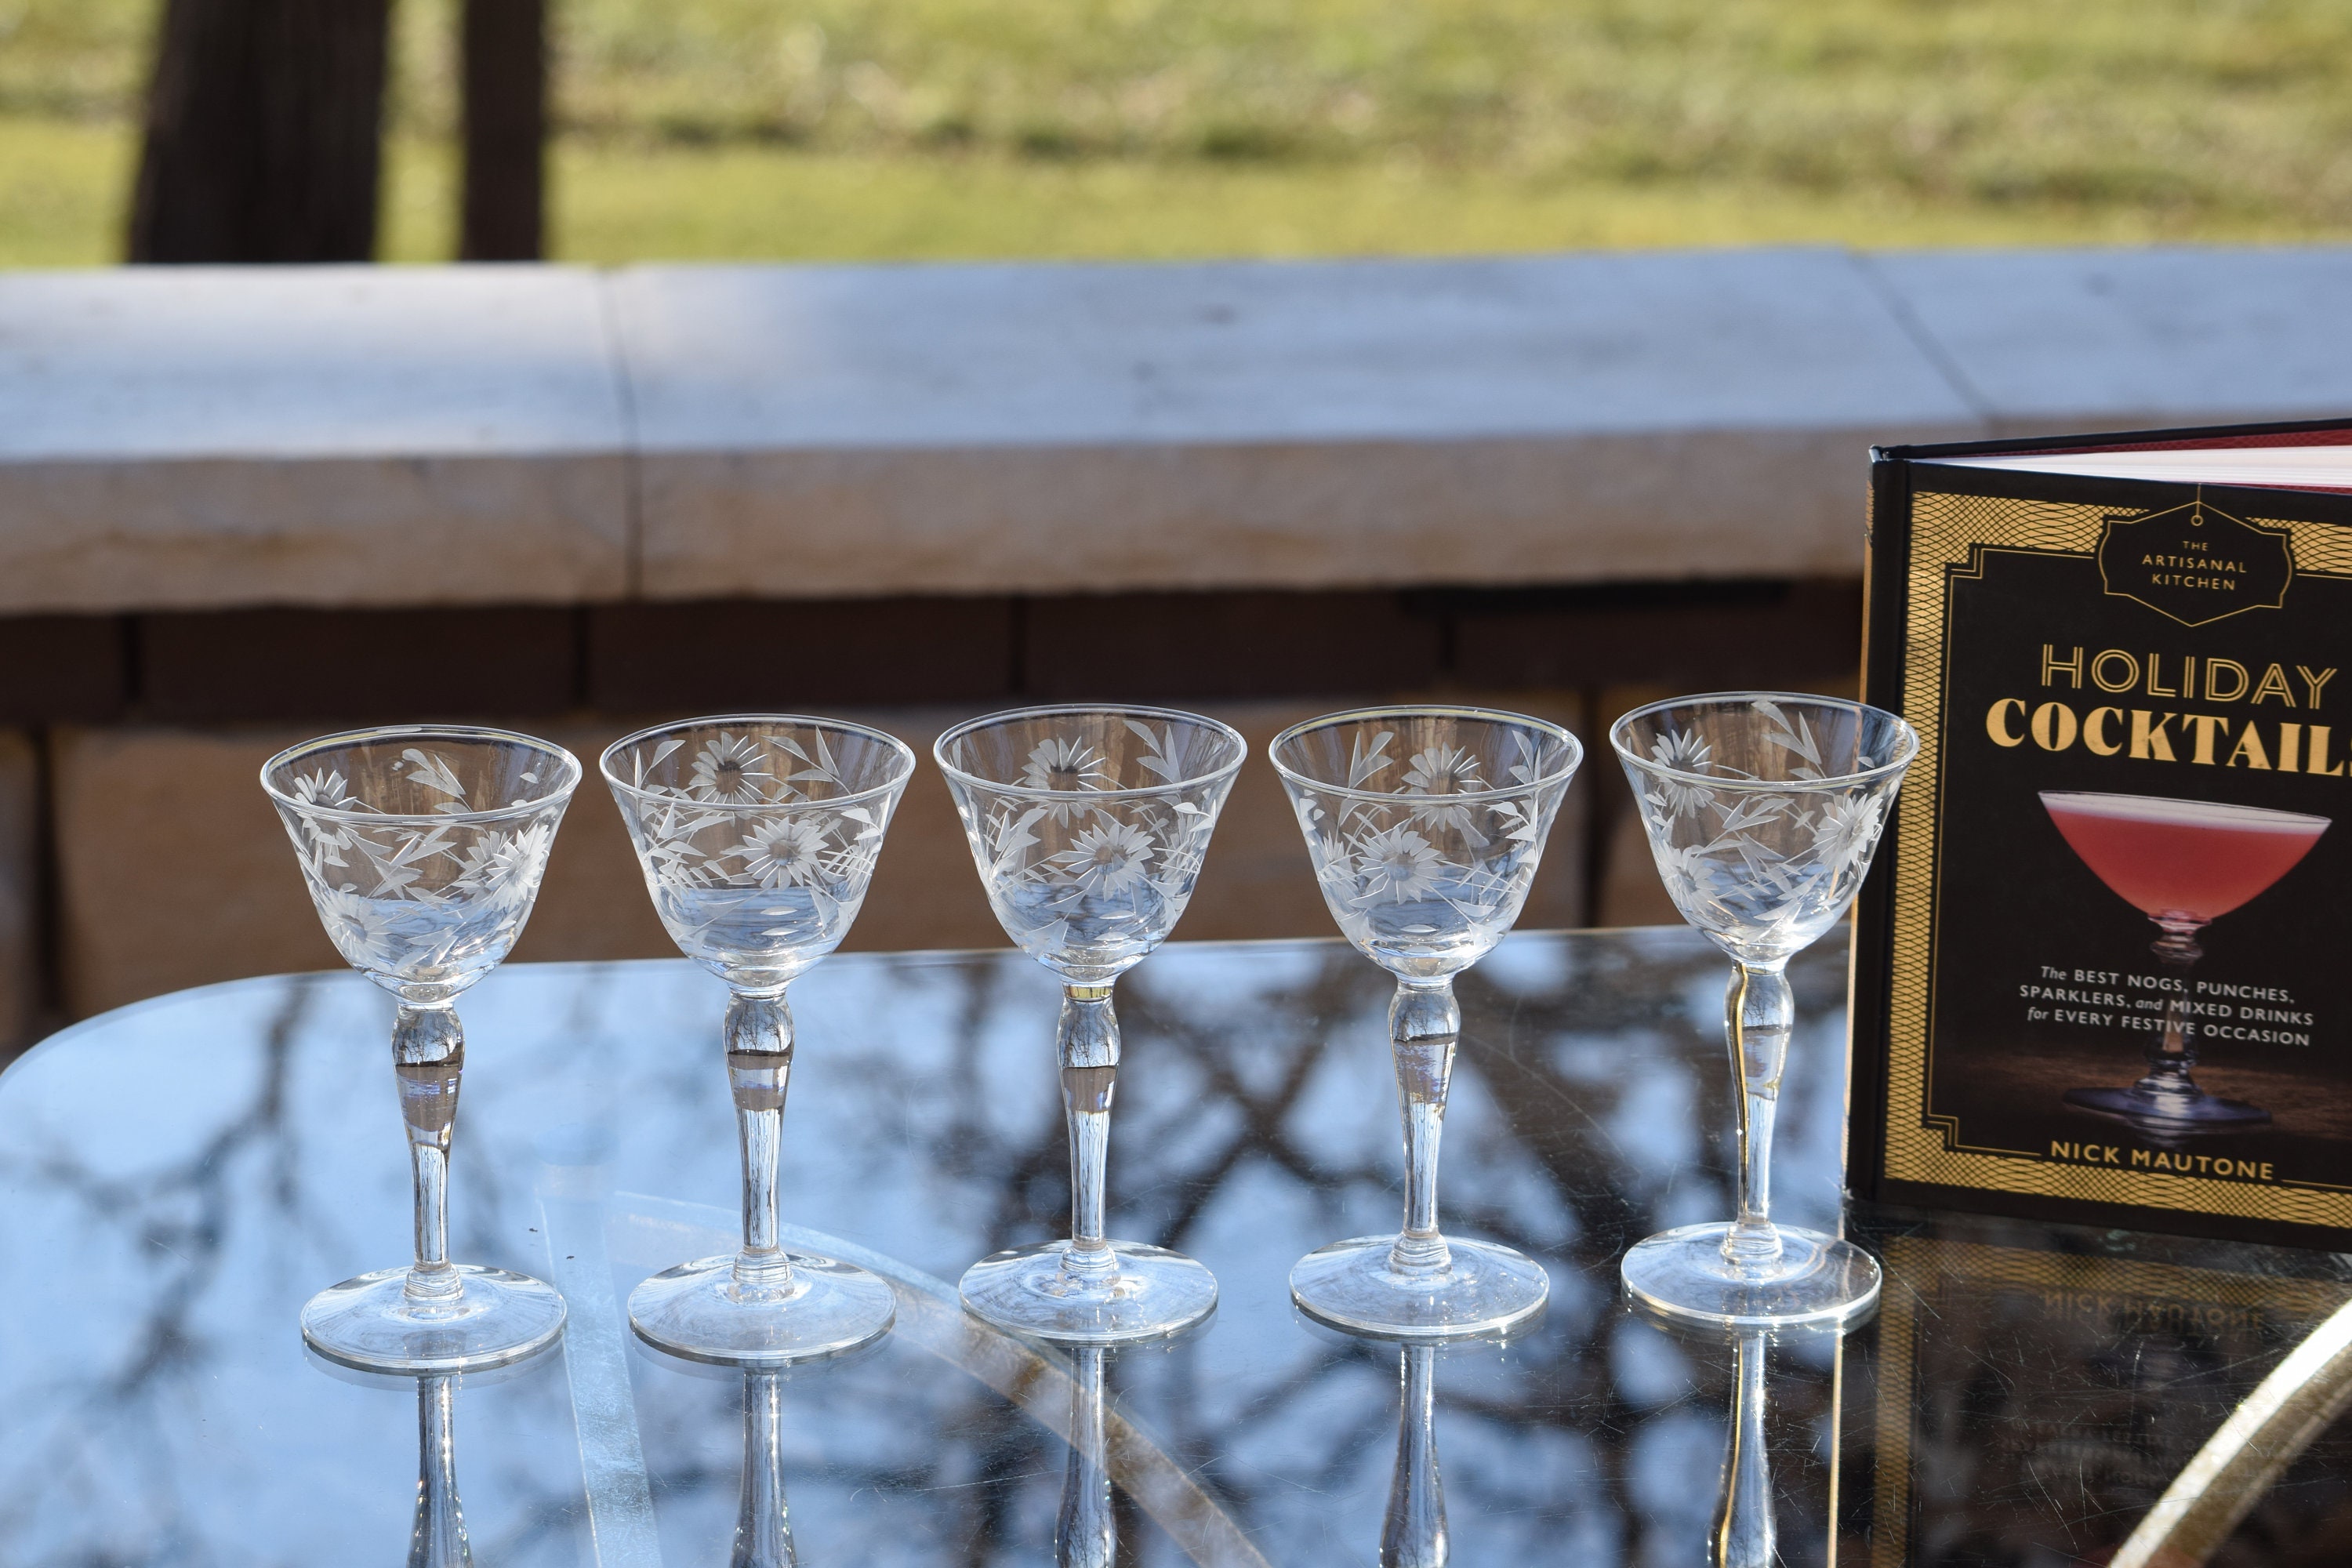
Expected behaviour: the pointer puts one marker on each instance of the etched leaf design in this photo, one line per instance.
(434, 772)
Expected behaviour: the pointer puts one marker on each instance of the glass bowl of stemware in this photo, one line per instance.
(1088, 825)
(758, 837)
(1425, 826)
(1763, 810)
(421, 848)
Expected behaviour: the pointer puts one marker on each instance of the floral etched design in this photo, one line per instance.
(1065, 766)
(1425, 859)
(758, 840)
(1107, 859)
(785, 853)
(1091, 847)
(432, 895)
(731, 769)
(1395, 865)
(1762, 824)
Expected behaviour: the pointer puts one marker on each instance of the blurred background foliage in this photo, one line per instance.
(1163, 127)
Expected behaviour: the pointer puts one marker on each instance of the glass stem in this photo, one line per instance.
(759, 1069)
(1086, 1533)
(1086, 1041)
(1425, 1024)
(437, 1538)
(763, 1526)
(1413, 1534)
(428, 1055)
(2172, 1053)
(1756, 1015)
(1745, 1534)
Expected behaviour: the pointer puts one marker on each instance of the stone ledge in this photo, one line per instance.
(218, 437)
(1355, 515)
(1311, 425)
(1340, 352)
(428, 529)
(283, 362)
(2119, 339)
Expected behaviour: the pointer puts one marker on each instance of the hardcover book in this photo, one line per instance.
(2102, 974)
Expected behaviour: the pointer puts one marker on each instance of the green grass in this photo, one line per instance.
(1151, 127)
(64, 189)
(628, 203)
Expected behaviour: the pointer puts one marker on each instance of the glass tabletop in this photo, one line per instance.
(180, 1176)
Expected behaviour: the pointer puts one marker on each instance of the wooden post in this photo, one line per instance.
(505, 110)
(264, 132)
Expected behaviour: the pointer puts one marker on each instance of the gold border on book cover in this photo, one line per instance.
(1951, 538)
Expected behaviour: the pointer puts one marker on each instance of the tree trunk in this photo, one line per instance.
(505, 71)
(264, 132)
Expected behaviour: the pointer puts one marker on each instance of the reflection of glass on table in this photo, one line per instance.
(1745, 1529)
(1086, 1531)
(172, 1417)
(763, 1526)
(2184, 864)
(1412, 1532)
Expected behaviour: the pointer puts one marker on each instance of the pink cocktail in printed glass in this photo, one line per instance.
(2183, 864)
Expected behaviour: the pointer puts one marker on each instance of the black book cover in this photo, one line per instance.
(2099, 970)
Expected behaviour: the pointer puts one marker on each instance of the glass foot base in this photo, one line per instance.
(1155, 1293)
(1484, 1289)
(1681, 1273)
(697, 1311)
(2169, 1113)
(369, 1323)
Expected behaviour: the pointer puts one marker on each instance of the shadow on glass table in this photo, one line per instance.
(181, 1175)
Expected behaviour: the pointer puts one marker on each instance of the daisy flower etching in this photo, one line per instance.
(325, 788)
(505, 866)
(322, 842)
(1846, 830)
(1396, 864)
(1107, 859)
(1065, 765)
(731, 771)
(1685, 752)
(784, 853)
(1442, 770)
(360, 927)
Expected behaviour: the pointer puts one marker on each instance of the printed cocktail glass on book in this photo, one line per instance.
(758, 835)
(1424, 825)
(1763, 810)
(423, 849)
(2183, 864)
(1087, 826)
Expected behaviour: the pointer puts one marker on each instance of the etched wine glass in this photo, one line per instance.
(758, 835)
(1424, 825)
(1763, 810)
(423, 848)
(1088, 825)
(2183, 864)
